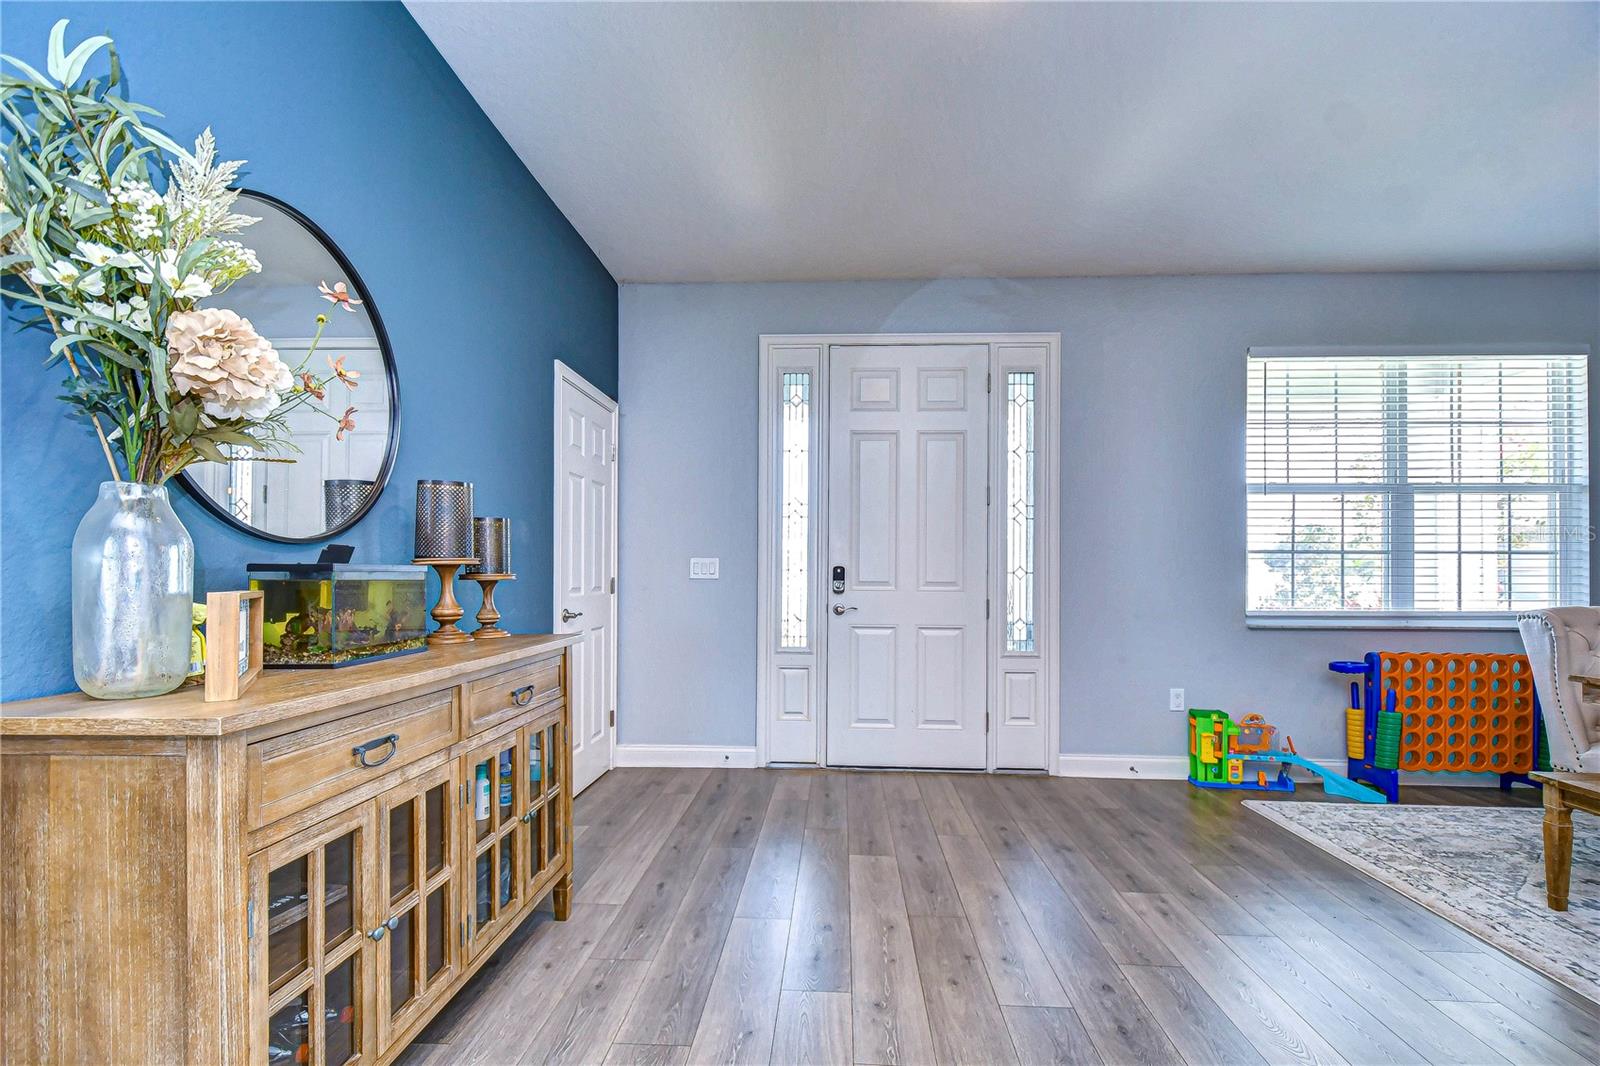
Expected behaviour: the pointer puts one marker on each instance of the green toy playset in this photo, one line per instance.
(1244, 755)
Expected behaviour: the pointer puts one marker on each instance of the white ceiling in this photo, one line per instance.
(745, 141)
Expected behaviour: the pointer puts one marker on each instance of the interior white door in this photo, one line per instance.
(585, 566)
(907, 491)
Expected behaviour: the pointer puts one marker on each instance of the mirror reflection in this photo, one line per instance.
(341, 445)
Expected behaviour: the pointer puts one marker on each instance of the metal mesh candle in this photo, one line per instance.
(444, 520)
(342, 498)
(491, 539)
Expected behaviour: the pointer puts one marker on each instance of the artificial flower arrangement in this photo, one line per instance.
(115, 234)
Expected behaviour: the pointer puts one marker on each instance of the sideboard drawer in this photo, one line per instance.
(291, 772)
(494, 699)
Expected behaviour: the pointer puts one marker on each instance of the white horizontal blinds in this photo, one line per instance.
(1430, 483)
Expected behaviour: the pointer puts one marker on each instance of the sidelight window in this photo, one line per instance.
(795, 509)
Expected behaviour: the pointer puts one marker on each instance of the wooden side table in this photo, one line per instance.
(1563, 794)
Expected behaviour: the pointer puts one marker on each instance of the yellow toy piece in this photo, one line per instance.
(1354, 733)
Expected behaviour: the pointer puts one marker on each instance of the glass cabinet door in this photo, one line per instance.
(497, 789)
(546, 845)
(310, 972)
(557, 796)
(417, 932)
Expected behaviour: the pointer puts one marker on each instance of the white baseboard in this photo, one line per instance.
(1148, 767)
(683, 755)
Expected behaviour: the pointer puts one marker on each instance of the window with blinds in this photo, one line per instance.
(1452, 487)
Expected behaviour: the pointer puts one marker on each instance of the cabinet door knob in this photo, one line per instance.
(393, 923)
(527, 817)
(377, 934)
(361, 751)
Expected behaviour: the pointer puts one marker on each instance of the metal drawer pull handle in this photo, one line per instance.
(360, 752)
(522, 696)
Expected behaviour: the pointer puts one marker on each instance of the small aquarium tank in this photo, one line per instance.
(338, 614)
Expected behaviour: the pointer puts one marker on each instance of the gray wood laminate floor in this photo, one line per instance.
(787, 916)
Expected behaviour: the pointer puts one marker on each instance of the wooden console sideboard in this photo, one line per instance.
(300, 876)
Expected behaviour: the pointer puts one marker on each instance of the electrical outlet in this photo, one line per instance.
(704, 569)
(1175, 701)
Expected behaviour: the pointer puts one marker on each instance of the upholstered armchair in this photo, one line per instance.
(1561, 642)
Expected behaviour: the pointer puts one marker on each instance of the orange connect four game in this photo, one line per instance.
(1462, 712)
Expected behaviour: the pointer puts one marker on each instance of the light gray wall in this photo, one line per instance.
(1152, 468)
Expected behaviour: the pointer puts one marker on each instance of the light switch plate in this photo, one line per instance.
(704, 569)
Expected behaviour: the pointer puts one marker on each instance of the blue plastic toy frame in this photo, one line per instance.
(1388, 781)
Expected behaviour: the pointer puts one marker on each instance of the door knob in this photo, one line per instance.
(840, 608)
(567, 616)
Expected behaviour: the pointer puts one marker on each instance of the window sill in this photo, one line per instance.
(1497, 621)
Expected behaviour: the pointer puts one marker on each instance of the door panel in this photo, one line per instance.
(585, 559)
(873, 496)
(941, 661)
(941, 493)
(871, 669)
(907, 517)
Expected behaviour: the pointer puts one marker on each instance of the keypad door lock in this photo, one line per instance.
(838, 580)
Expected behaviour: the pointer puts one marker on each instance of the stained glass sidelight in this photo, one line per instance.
(1020, 412)
(794, 494)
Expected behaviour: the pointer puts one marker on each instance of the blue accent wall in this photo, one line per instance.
(346, 111)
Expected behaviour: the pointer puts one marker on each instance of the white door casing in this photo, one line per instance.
(586, 565)
(796, 631)
(907, 473)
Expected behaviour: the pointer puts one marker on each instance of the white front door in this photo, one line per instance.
(585, 566)
(907, 522)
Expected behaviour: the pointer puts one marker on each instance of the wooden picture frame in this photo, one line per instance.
(234, 622)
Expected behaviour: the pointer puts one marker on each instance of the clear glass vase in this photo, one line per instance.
(132, 591)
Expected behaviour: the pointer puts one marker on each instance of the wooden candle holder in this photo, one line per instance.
(488, 616)
(447, 611)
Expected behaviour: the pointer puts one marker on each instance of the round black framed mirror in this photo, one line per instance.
(343, 447)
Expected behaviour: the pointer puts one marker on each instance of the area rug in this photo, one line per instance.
(1480, 867)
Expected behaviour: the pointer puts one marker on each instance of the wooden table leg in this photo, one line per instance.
(1557, 847)
(561, 898)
